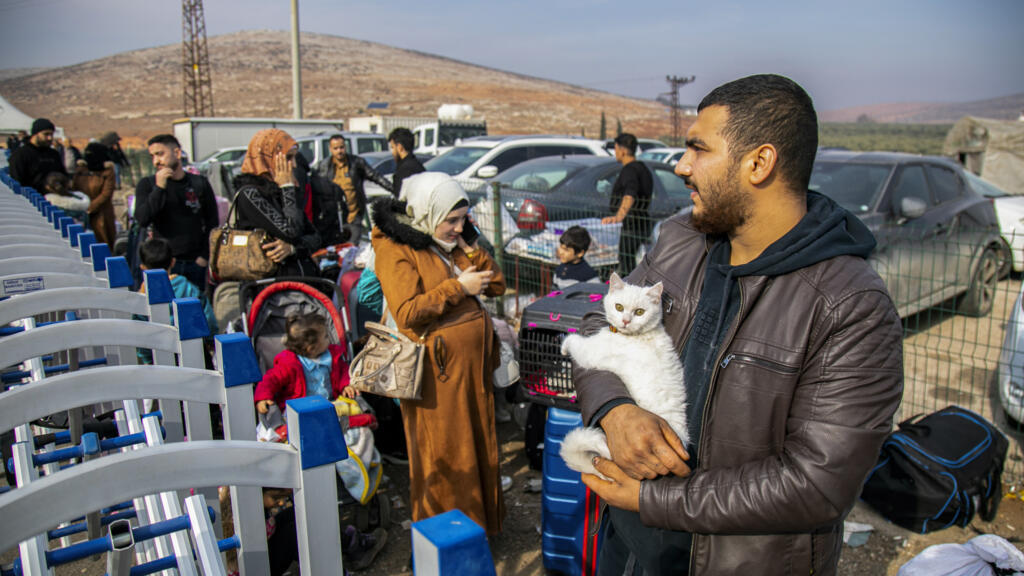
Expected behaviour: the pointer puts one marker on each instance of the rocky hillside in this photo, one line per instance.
(139, 93)
(1004, 108)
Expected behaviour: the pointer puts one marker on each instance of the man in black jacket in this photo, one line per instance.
(33, 160)
(631, 195)
(180, 207)
(349, 171)
(402, 142)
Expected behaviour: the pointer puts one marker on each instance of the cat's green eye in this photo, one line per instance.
(639, 312)
(618, 307)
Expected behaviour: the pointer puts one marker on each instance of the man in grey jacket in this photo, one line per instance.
(792, 359)
(349, 172)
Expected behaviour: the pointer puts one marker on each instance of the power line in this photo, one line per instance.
(195, 61)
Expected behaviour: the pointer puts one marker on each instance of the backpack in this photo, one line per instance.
(939, 470)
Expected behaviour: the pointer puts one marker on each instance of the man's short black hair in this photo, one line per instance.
(770, 109)
(627, 141)
(576, 239)
(404, 137)
(336, 137)
(165, 139)
(155, 254)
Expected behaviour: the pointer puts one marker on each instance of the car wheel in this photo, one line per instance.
(980, 295)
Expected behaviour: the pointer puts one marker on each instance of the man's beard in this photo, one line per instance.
(724, 207)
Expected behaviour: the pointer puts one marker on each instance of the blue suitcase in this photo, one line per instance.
(570, 540)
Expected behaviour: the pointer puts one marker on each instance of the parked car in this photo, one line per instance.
(1010, 211)
(477, 159)
(1010, 371)
(318, 146)
(937, 237)
(642, 145)
(226, 156)
(667, 155)
(571, 187)
(384, 164)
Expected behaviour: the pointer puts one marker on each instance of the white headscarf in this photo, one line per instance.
(430, 197)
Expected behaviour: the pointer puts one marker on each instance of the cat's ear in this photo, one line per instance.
(615, 282)
(654, 292)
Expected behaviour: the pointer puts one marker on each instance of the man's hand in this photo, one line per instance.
(162, 176)
(642, 444)
(621, 492)
(278, 250)
(610, 220)
(263, 405)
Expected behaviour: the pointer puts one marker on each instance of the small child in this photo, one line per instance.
(155, 254)
(572, 246)
(308, 365)
(73, 203)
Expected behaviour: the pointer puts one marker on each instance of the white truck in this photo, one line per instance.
(200, 137)
(454, 123)
(385, 124)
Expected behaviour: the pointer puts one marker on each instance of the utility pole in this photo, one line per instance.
(675, 82)
(195, 61)
(296, 64)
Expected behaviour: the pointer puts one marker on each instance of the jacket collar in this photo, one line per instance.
(389, 217)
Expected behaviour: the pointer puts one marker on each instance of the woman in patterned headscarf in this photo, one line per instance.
(268, 198)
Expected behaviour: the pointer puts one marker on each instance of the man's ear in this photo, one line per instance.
(762, 163)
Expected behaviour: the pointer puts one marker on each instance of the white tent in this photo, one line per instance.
(12, 119)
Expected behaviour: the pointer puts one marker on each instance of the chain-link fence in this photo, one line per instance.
(954, 288)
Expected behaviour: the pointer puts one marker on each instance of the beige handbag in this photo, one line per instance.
(390, 364)
(238, 254)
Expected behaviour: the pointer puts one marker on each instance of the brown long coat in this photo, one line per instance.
(453, 448)
(99, 186)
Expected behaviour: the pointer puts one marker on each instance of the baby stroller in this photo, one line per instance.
(266, 304)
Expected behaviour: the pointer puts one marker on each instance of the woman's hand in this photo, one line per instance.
(349, 392)
(263, 405)
(473, 282)
(283, 175)
(278, 250)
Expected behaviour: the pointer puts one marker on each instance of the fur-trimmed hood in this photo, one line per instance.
(390, 218)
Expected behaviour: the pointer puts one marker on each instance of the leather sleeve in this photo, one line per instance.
(372, 175)
(850, 386)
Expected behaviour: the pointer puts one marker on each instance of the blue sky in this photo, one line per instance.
(845, 53)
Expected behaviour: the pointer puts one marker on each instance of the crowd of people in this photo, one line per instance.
(767, 296)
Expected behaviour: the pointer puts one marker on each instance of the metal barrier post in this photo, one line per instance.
(499, 239)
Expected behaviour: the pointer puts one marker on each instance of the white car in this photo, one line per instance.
(666, 155)
(1010, 372)
(476, 160)
(1010, 213)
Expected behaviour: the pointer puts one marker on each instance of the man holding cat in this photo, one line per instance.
(792, 359)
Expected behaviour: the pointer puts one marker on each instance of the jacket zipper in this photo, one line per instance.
(766, 364)
(707, 402)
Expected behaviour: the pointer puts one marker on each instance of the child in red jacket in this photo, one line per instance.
(308, 365)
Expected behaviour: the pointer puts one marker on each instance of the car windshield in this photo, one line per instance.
(455, 160)
(853, 186)
(655, 156)
(986, 189)
(537, 176)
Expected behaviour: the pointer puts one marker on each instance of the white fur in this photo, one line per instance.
(641, 354)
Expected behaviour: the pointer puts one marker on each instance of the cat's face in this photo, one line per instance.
(632, 309)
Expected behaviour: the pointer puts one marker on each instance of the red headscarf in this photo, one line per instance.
(259, 158)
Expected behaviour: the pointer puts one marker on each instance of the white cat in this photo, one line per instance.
(637, 349)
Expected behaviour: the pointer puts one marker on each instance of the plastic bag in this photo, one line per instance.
(975, 558)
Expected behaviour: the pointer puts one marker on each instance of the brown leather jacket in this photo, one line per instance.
(803, 393)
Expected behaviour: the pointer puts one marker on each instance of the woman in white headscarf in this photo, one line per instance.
(431, 279)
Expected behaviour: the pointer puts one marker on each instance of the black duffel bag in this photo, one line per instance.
(938, 471)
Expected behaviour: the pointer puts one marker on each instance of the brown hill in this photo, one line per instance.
(139, 93)
(1003, 108)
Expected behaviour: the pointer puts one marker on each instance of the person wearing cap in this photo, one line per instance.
(431, 280)
(113, 143)
(31, 162)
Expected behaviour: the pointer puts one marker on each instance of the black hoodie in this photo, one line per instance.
(826, 231)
